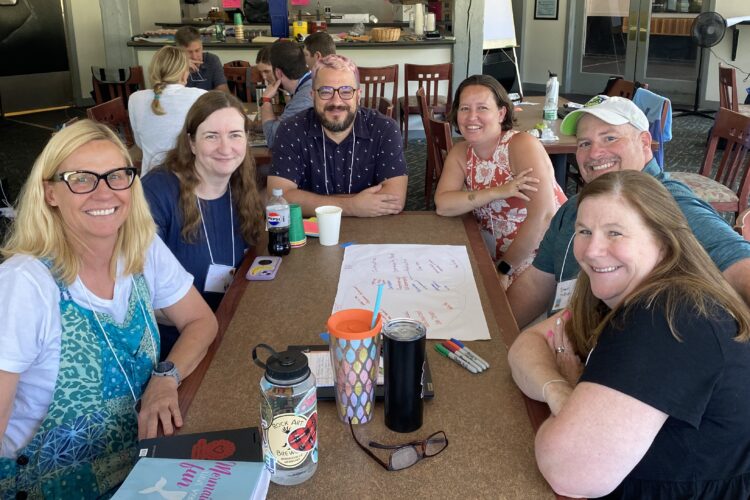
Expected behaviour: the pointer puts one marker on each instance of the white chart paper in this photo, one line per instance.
(430, 283)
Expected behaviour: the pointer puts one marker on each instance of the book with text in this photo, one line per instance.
(231, 444)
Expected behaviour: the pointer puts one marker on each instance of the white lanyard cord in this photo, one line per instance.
(231, 224)
(565, 257)
(325, 167)
(106, 337)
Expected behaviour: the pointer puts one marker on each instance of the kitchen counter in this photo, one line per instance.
(233, 44)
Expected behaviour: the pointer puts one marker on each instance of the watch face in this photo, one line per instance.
(164, 367)
(503, 267)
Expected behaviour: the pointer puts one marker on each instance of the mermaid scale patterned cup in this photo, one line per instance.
(355, 353)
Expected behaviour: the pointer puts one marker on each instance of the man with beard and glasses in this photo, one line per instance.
(613, 135)
(291, 74)
(339, 153)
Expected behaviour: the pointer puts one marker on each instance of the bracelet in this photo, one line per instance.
(265, 99)
(544, 387)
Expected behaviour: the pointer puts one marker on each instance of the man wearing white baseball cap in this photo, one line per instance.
(613, 135)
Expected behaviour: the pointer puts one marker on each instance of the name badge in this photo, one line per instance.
(562, 295)
(218, 278)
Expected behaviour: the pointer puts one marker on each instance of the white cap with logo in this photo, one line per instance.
(613, 110)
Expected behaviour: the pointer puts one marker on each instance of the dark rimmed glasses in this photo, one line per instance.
(405, 455)
(345, 92)
(84, 181)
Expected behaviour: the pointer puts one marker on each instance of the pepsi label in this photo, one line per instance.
(277, 216)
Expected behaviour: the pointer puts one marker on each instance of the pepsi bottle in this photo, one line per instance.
(277, 224)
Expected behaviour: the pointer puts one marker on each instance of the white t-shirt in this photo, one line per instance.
(156, 134)
(31, 327)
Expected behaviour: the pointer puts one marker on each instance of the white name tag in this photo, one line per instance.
(562, 295)
(218, 278)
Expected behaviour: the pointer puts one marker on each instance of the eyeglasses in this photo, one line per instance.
(405, 455)
(83, 181)
(326, 93)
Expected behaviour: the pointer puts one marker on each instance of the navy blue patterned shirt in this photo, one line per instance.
(376, 156)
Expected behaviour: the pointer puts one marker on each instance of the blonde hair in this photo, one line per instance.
(169, 65)
(40, 231)
(181, 162)
(686, 274)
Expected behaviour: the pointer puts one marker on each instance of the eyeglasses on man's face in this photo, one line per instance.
(346, 92)
(405, 455)
(84, 181)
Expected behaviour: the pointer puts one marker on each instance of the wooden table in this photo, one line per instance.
(490, 452)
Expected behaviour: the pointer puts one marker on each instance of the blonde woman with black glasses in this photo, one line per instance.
(157, 115)
(80, 380)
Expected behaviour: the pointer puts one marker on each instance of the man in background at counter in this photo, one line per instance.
(317, 46)
(292, 75)
(339, 153)
(206, 70)
(263, 63)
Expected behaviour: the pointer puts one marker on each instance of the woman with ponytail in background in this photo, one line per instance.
(157, 116)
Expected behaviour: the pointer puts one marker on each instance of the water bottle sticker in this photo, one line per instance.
(308, 402)
(292, 437)
(266, 414)
(270, 464)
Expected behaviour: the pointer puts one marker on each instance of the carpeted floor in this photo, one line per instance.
(22, 139)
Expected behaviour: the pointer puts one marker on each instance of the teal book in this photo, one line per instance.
(185, 479)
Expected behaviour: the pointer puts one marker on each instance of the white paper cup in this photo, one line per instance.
(329, 224)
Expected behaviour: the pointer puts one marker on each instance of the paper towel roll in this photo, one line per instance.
(429, 24)
(419, 19)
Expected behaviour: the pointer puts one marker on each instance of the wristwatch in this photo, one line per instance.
(265, 99)
(504, 268)
(166, 369)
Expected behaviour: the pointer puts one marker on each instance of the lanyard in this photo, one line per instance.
(302, 80)
(231, 224)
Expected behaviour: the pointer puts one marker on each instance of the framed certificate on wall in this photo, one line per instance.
(546, 9)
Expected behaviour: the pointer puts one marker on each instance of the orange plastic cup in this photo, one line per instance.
(355, 357)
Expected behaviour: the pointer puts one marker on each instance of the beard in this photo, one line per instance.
(334, 126)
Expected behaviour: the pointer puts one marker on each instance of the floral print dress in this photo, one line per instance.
(500, 220)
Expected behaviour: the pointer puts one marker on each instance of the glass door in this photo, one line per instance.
(643, 40)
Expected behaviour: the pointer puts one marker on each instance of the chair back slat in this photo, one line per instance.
(385, 107)
(109, 83)
(114, 114)
(440, 132)
(429, 78)
(728, 88)
(375, 81)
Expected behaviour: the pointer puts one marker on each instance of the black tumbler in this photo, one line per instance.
(403, 352)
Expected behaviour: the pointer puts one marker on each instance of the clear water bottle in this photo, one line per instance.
(550, 100)
(289, 416)
(277, 224)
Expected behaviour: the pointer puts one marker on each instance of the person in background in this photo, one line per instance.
(205, 200)
(338, 153)
(80, 380)
(317, 46)
(661, 409)
(291, 75)
(157, 115)
(504, 177)
(613, 135)
(263, 63)
(206, 70)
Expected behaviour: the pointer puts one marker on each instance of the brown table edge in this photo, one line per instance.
(224, 315)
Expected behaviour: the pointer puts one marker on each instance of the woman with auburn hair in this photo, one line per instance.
(205, 199)
(79, 345)
(662, 406)
(503, 176)
(157, 115)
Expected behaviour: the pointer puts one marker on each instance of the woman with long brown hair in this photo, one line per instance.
(662, 406)
(204, 199)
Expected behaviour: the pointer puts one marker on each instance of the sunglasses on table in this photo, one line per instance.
(83, 181)
(405, 455)
(326, 93)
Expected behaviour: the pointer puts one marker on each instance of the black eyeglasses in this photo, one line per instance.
(326, 93)
(83, 181)
(405, 455)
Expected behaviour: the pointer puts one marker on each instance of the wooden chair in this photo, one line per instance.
(428, 77)
(442, 142)
(742, 225)
(237, 63)
(624, 88)
(728, 188)
(114, 114)
(728, 91)
(385, 107)
(238, 81)
(111, 83)
(429, 172)
(373, 82)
